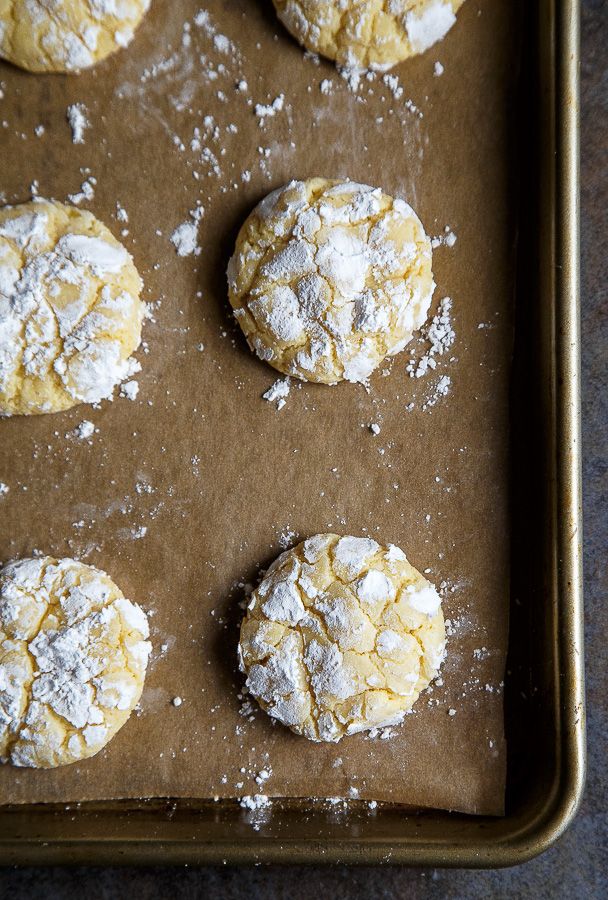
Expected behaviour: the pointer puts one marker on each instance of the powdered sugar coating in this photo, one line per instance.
(70, 313)
(328, 278)
(368, 34)
(73, 657)
(341, 636)
(66, 35)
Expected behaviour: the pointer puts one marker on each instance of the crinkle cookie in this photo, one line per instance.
(341, 636)
(66, 35)
(73, 657)
(70, 313)
(328, 278)
(368, 34)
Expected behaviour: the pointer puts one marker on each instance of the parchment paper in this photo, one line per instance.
(218, 478)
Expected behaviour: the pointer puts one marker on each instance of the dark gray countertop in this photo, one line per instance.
(576, 867)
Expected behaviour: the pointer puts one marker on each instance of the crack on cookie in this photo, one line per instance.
(401, 672)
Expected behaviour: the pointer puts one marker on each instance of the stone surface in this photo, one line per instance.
(576, 867)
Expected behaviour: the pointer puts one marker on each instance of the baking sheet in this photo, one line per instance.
(186, 492)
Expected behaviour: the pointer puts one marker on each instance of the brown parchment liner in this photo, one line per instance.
(229, 474)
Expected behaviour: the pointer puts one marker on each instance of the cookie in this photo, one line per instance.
(341, 636)
(73, 657)
(328, 278)
(70, 313)
(368, 34)
(66, 35)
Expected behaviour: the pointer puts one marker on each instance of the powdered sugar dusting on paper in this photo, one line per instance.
(278, 392)
(77, 118)
(185, 236)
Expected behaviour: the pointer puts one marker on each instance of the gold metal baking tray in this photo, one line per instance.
(545, 716)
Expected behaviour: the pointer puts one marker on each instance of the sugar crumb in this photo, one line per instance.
(76, 115)
(278, 392)
(84, 430)
(129, 390)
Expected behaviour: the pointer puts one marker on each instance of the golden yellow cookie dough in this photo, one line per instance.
(70, 313)
(368, 34)
(328, 278)
(341, 636)
(66, 35)
(73, 657)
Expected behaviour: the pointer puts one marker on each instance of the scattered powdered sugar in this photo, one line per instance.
(77, 118)
(84, 430)
(438, 69)
(392, 83)
(86, 193)
(278, 392)
(270, 110)
(441, 335)
(4, 489)
(121, 213)
(129, 390)
(351, 76)
(441, 389)
(286, 538)
(257, 809)
(184, 239)
(447, 239)
(380, 734)
(262, 776)
(255, 801)
(355, 80)
(185, 236)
